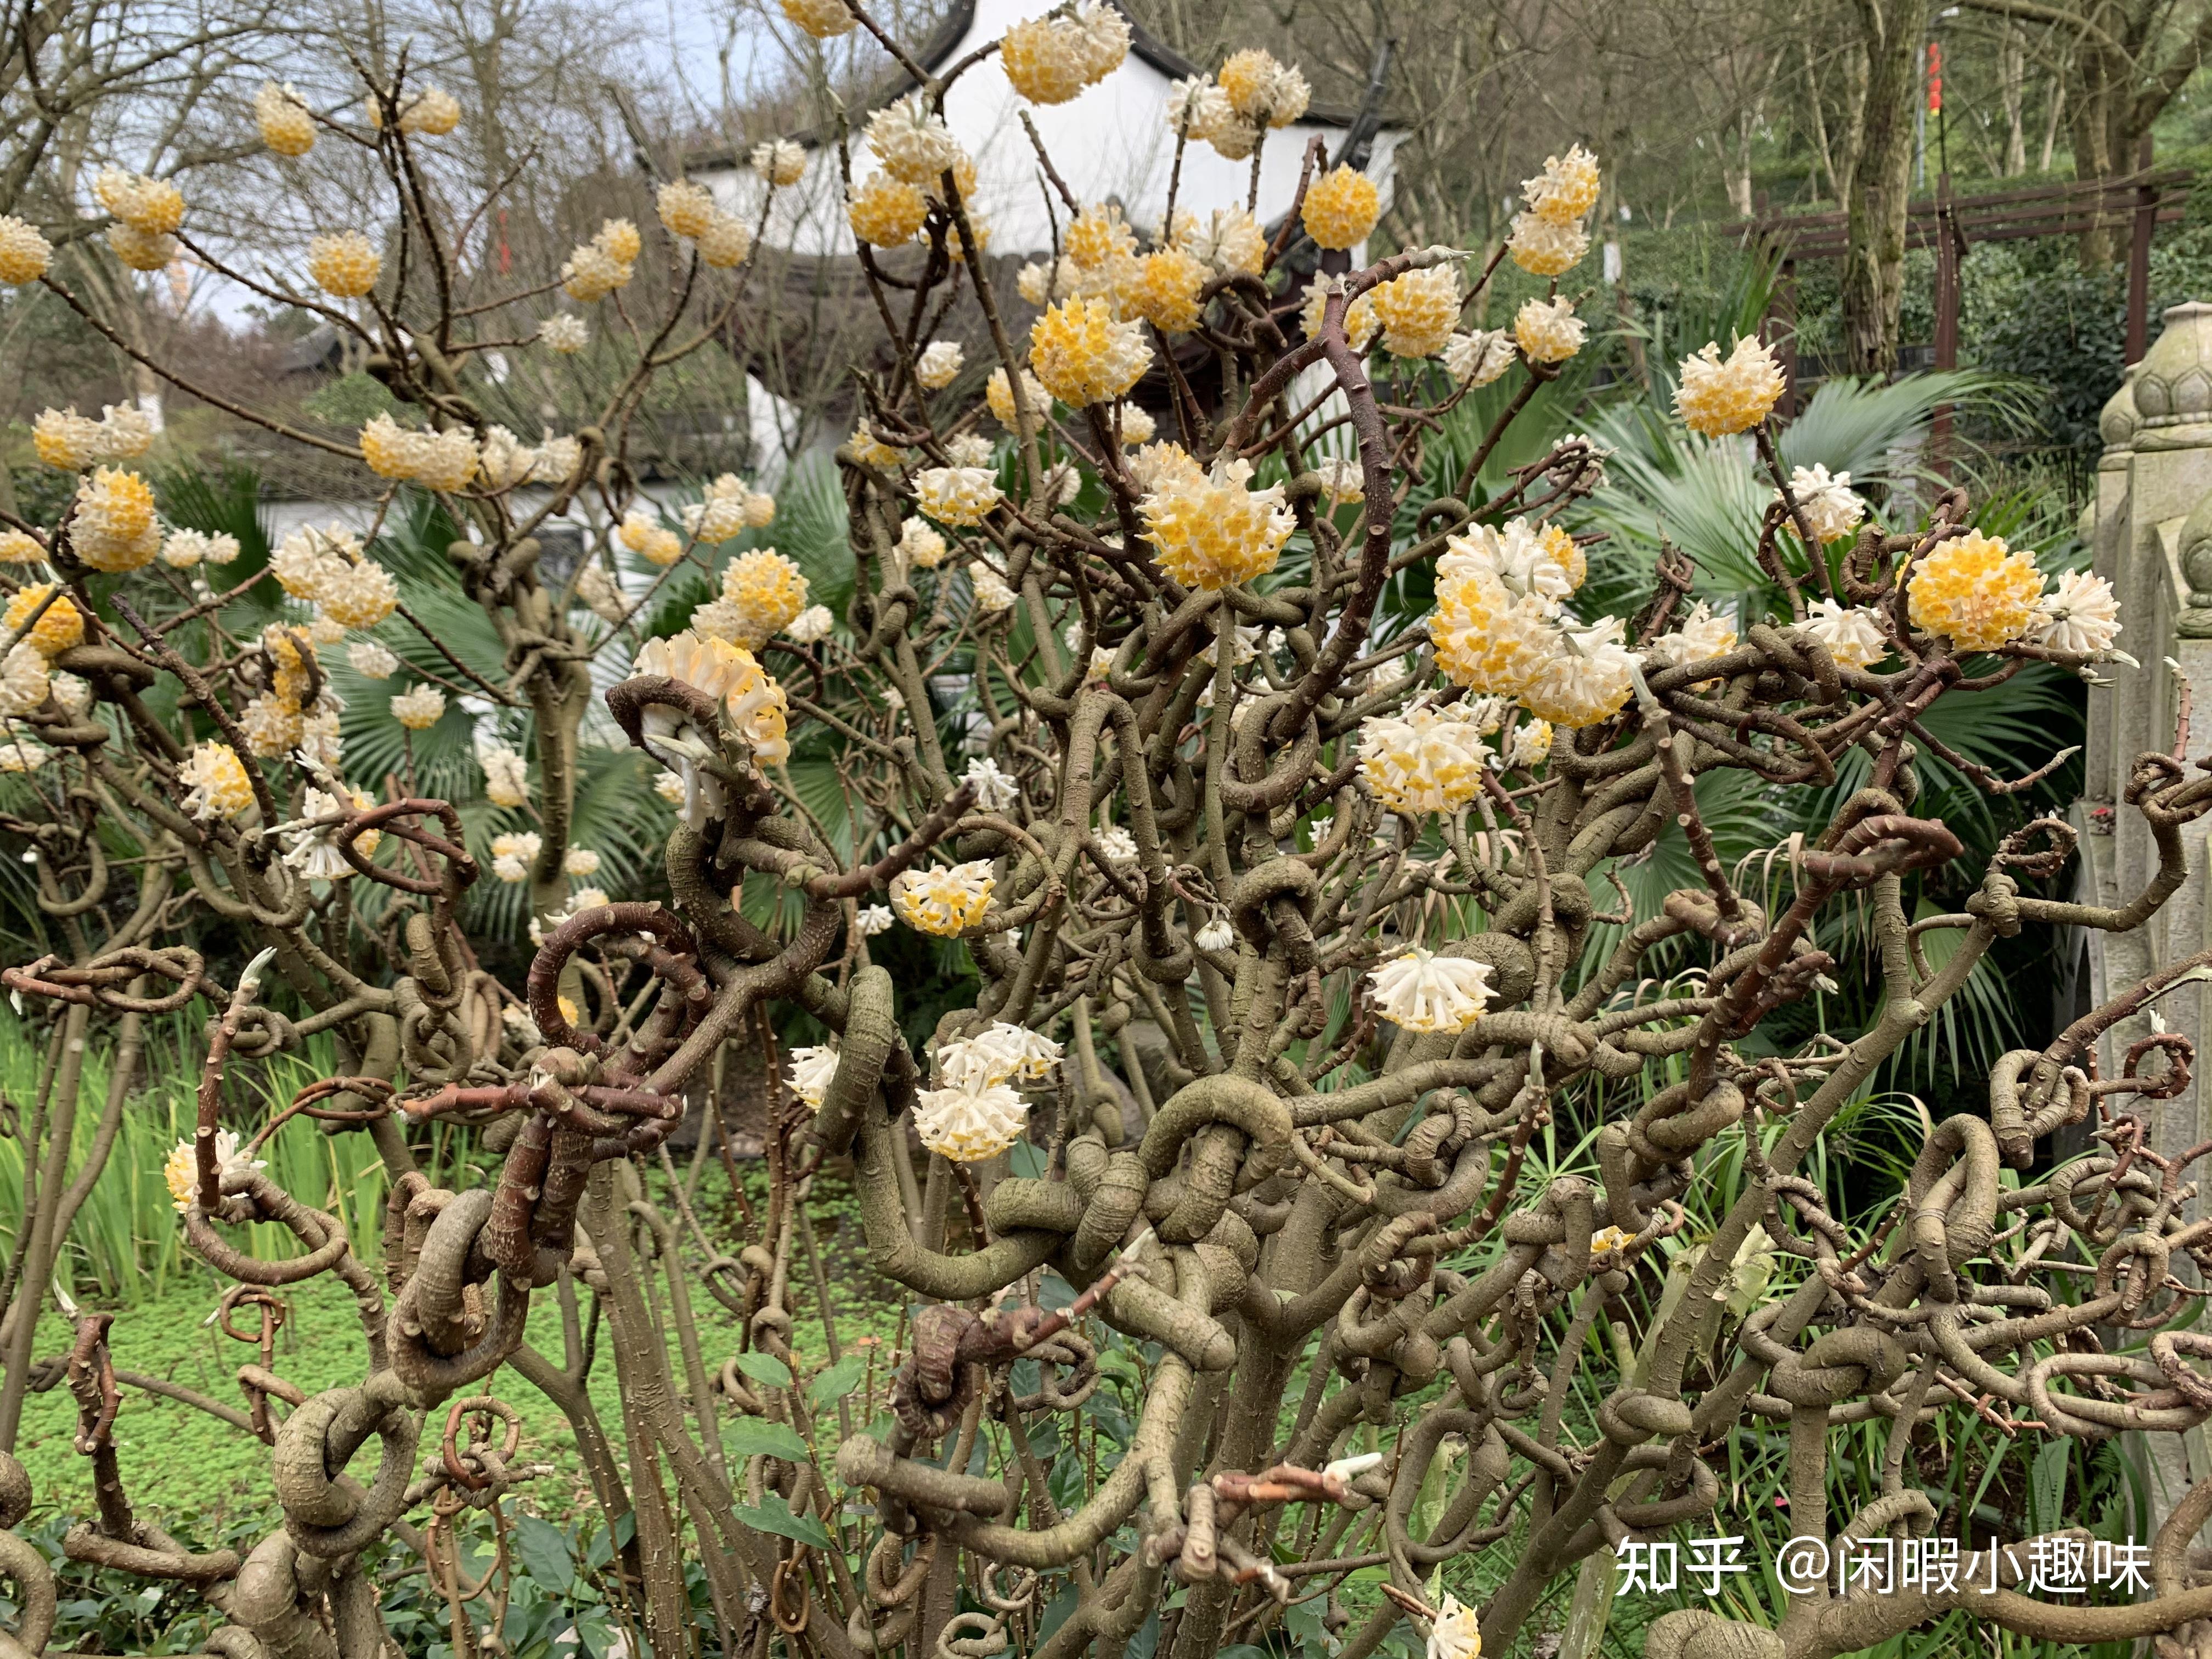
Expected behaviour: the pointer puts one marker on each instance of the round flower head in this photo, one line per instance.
(1478, 358)
(431, 113)
(447, 460)
(591, 273)
(2079, 614)
(152, 207)
(1341, 207)
(1040, 284)
(507, 776)
(1975, 590)
(1853, 635)
(1421, 991)
(823, 19)
(1719, 396)
(993, 597)
(1136, 426)
(114, 528)
(358, 595)
(1587, 679)
(373, 660)
(885, 212)
(180, 1170)
(1548, 331)
(1532, 744)
(140, 250)
(579, 861)
(1197, 109)
(1456, 1632)
(1565, 190)
(995, 791)
(1698, 636)
(1097, 237)
(1155, 464)
(943, 901)
(1212, 531)
(1342, 480)
(1430, 761)
(969, 1124)
(959, 495)
(938, 365)
(921, 547)
(216, 783)
(1418, 310)
(511, 855)
(810, 625)
(1360, 321)
(720, 514)
(65, 439)
(344, 265)
(1488, 636)
(1106, 33)
(778, 162)
(1262, 90)
(60, 625)
(20, 547)
(1083, 354)
(390, 450)
(281, 115)
(686, 209)
(24, 254)
(419, 707)
(1547, 247)
(1164, 288)
(565, 332)
(124, 433)
(999, 394)
(974, 449)
(1049, 59)
(912, 144)
(1832, 509)
(25, 679)
(1229, 241)
(767, 591)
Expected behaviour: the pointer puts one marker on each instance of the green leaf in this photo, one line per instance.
(774, 1515)
(840, 1379)
(543, 1549)
(765, 1368)
(749, 1436)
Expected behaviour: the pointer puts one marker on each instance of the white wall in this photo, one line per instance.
(1112, 142)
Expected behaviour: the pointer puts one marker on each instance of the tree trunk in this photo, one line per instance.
(2013, 72)
(1874, 263)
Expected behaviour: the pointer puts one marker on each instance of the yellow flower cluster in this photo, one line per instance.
(1429, 761)
(957, 495)
(1212, 531)
(1097, 238)
(766, 591)
(114, 528)
(643, 534)
(281, 115)
(999, 394)
(1548, 331)
(19, 547)
(71, 442)
(778, 162)
(1549, 239)
(445, 461)
(1545, 247)
(1421, 991)
(1264, 92)
(686, 209)
(432, 112)
(59, 626)
(971, 1123)
(1975, 591)
(823, 19)
(1083, 354)
(1418, 310)
(1588, 677)
(1164, 288)
(147, 213)
(941, 901)
(419, 707)
(884, 211)
(1720, 395)
(24, 254)
(1049, 60)
(603, 265)
(216, 783)
(1229, 241)
(913, 143)
(1341, 207)
(938, 365)
(345, 264)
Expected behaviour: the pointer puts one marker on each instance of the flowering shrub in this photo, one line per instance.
(1288, 921)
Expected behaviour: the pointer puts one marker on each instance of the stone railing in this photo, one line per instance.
(2152, 537)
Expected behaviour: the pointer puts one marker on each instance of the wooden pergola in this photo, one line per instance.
(1951, 224)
